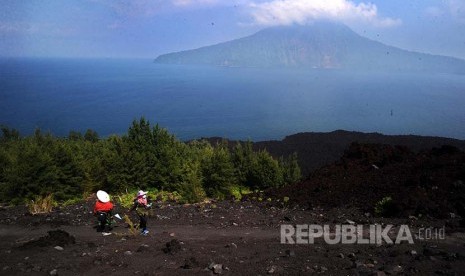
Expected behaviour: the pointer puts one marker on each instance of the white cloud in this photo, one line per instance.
(286, 12)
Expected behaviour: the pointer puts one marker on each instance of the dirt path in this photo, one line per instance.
(230, 239)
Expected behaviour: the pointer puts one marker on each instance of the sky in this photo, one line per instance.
(148, 28)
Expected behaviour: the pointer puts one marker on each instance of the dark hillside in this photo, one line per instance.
(429, 183)
(316, 149)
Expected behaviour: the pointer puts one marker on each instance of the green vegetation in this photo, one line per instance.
(41, 205)
(385, 207)
(145, 158)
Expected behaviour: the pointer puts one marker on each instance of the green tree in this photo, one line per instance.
(75, 136)
(9, 134)
(91, 136)
(291, 169)
(219, 173)
(266, 172)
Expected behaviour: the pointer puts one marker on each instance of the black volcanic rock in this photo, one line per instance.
(425, 183)
(321, 45)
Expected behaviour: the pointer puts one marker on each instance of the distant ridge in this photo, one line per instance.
(321, 45)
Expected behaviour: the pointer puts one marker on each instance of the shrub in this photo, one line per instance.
(42, 205)
(386, 207)
(238, 191)
(133, 229)
(126, 200)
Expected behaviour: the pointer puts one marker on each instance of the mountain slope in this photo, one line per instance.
(322, 45)
(317, 149)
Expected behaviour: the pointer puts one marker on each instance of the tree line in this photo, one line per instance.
(143, 158)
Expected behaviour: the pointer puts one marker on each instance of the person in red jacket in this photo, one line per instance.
(103, 209)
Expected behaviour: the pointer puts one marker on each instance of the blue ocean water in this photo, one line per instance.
(59, 95)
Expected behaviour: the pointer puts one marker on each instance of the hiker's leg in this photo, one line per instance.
(109, 222)
(143, 222)
(102, 221)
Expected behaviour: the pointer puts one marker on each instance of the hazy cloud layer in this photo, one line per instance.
(286, 12)
(457, 9)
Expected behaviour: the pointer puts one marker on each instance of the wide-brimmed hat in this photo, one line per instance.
(141, 193)
(103, 196)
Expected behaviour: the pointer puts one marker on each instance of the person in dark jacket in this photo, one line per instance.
(141, 206)
(103, 210)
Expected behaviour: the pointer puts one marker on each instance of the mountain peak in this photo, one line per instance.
(323, 44)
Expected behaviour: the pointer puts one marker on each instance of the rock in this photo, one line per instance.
(53, 272)
(143, 248)
(190, 263)
(231, 245)
(394, 270)
(272, 269)
(172, 234)
(341, 256)
(217, 268)
(54, 238)
(290, 253)
(351, 256)
(357, 264)
(413, 253)
(351, 222)
(59, 248)
(127, 253)
(172, 247)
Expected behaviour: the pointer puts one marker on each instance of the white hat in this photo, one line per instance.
(103, 196)
(141, 193)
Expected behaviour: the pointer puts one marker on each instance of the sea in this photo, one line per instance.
(106, 95)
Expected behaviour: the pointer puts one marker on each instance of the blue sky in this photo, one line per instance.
(148, 28)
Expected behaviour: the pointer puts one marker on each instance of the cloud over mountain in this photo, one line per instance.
(287, 12)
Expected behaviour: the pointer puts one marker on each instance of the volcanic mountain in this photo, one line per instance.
(321, 45)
